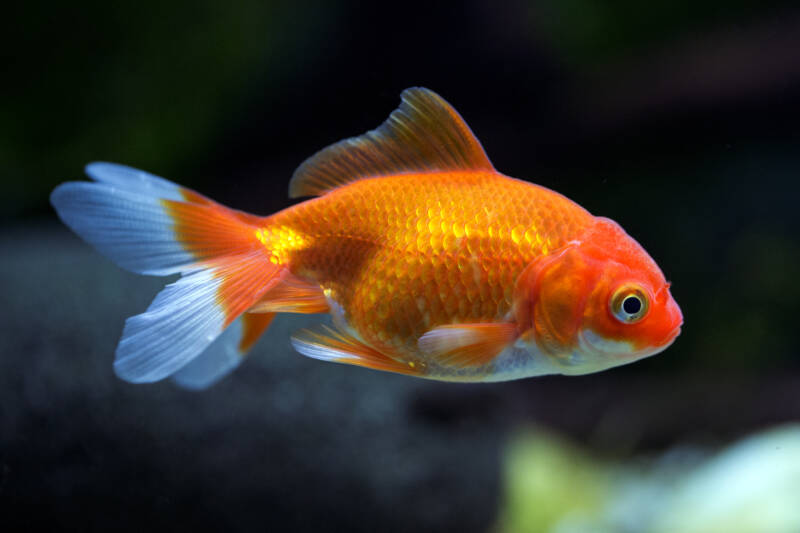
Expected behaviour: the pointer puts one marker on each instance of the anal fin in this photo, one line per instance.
(331, 345)
(465, 345)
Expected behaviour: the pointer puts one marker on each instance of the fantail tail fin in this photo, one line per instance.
(152, 226)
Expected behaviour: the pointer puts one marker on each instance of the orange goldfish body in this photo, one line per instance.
(431, 263)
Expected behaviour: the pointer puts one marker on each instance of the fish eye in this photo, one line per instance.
(629, 304)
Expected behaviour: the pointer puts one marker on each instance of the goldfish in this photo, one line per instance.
(429, 261)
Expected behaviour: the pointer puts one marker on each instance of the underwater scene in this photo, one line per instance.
(511, 267)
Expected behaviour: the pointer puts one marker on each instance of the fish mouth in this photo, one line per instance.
(676, 318)
(659, 346)
(670, 338)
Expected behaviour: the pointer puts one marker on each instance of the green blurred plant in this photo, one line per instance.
(750, 487)
(587, 34)
(152, 84)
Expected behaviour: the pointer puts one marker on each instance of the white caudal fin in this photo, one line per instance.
(224, 354)
(152, 226)
(123, 215)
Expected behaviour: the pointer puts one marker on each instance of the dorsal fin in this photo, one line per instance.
(424, 134)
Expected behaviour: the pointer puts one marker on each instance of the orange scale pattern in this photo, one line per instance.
(406, 253)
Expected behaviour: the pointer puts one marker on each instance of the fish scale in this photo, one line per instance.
(454, 241)
(431, 262)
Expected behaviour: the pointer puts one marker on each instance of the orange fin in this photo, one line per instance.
(253, 326)
(193, 330)
(465, 345)
(424, 134)
(292, 295)
(332, 345)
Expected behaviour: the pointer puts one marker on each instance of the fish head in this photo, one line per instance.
(599, 302)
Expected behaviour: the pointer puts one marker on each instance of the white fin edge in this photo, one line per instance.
(134, 180)
(131, 229)
(221, 358)
(319, 351)
(183, 320)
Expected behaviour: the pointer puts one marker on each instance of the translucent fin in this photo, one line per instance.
(132, 229)
(293, 295)
(465, 345)
(224, 354)
(424, 134)
(187, 316)
(152, 226)
(331, 345)
(134, 180)
(147, 224)
(253, 326)
(209, 230)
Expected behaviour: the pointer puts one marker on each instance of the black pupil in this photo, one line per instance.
(631, 305)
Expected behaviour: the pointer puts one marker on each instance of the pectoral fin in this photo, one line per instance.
(465, 345)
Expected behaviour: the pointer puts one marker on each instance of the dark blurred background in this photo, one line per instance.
(678, 119)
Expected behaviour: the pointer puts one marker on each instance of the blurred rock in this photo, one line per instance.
(285, 443)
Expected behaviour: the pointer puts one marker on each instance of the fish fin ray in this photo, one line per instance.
(467, 345)
(424, 134)
(152, 226)
(131, 229)
(187, 316)
(293, 295)
(149, 225)
(327, 344)
(225, 353)
(133, 180)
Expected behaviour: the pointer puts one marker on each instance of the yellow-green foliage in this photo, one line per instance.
(753, 486)
(546, 479)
